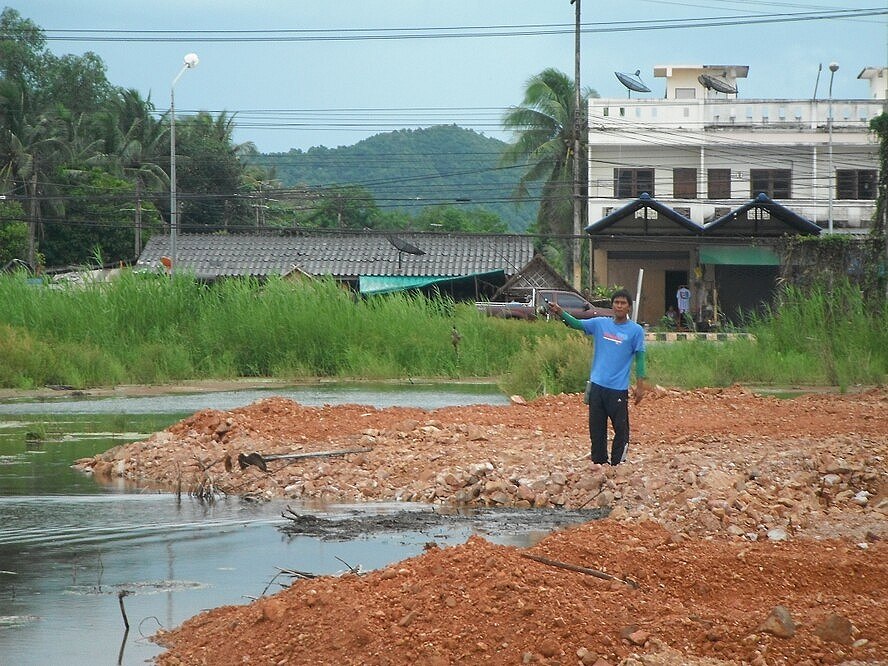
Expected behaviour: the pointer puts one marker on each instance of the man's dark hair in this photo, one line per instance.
(622, 292)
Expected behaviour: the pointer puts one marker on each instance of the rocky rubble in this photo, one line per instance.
(702, 462)
(753, 529)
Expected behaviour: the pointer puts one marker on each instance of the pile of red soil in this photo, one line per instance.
(754, 528)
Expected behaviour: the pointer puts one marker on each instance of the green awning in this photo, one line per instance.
(739, 255)
(387, 284)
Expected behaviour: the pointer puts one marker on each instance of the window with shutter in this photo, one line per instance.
(719, 183)
(632, 183)
(775, 183)
(684, 183)
(856, 183)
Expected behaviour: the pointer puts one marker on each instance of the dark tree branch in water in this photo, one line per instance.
(120, 596)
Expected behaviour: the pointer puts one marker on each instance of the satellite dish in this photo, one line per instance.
(717, 84)
(632, 82)
(404, 246)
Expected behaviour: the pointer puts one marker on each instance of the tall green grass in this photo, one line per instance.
(820, 336)
(148, 328)
(843, 337)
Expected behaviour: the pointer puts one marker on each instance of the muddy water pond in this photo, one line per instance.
(79, 561)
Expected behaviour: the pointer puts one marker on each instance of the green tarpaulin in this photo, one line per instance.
(739, 255)
(386, 284)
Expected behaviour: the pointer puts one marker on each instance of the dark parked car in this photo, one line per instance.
(533, 306)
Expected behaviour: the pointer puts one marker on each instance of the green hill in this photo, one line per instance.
(410, 169)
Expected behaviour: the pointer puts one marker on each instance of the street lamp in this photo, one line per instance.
(190, 62)
(833, 67)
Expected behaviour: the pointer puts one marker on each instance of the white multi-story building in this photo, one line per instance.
(703, 152)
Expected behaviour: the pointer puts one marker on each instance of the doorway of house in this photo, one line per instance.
(674, 279)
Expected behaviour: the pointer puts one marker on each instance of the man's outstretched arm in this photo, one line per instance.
(640, 375)
(566, 317)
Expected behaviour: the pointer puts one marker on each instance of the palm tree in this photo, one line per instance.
(32, 147)
(133, 141)
(211, 172)
(545, 127)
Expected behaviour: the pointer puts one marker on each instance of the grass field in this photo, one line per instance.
(148, 328)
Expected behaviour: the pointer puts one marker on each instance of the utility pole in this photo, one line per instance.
(138, 219)
(576, 241)
(833, 68)
(32, 225)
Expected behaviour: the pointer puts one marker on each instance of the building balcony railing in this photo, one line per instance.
(705, 114)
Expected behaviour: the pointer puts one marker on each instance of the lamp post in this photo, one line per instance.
(833, 67)
(190, 62)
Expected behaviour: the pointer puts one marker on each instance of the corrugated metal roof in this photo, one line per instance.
(344, 255)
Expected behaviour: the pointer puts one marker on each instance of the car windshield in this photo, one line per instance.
(571, 301)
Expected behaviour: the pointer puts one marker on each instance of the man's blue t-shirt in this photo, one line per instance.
(615, 346)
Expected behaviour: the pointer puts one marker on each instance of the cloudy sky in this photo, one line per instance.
(303, 73)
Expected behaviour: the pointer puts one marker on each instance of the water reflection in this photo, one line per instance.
(67, 559)
(428, 396)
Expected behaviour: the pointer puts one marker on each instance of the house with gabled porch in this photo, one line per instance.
(731, 264)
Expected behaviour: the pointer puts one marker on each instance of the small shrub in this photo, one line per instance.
(549, 366)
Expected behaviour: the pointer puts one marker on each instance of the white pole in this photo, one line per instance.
(833, 66)
(174, 254)
(638, 295)
(191, 61)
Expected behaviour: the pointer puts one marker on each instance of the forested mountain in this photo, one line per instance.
(408, 170)
(85, 170)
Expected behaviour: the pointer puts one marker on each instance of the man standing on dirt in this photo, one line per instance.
(617, 340)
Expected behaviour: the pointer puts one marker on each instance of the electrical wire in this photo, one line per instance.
(449, 32)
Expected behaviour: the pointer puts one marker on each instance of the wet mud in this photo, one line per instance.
(489, 521)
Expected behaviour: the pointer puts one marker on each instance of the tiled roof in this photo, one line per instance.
(673, 221)
(344, 255)
(790, 219)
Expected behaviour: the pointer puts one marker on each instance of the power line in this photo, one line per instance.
(449, 32)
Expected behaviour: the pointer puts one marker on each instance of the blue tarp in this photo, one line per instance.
(387, 284)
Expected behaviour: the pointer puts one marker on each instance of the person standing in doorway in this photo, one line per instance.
(617, 340)
(683, 297)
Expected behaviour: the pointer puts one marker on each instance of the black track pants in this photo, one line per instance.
(604, 404)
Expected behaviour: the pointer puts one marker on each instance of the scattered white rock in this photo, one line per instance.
(861, 498)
